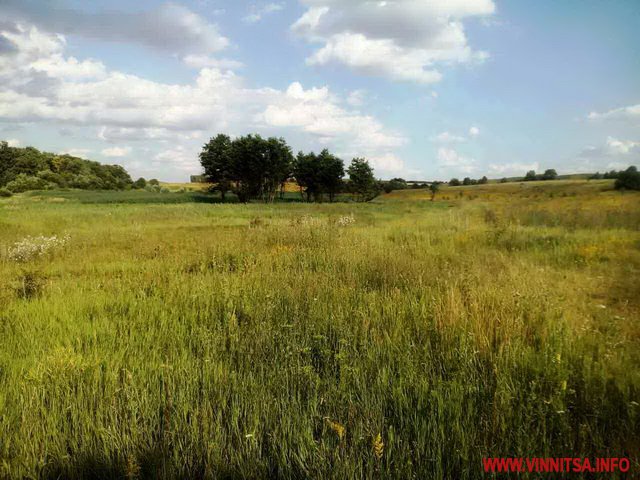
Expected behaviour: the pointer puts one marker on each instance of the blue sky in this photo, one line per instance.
(423, 89)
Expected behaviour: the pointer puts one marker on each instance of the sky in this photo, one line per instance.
(424, 89)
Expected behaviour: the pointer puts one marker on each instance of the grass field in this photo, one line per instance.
(163, 336)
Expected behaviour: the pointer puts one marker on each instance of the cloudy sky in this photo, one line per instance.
(425, 89)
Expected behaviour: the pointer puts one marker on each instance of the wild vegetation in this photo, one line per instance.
(23, 169)
(400, 338)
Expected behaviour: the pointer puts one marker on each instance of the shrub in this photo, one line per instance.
(24, 182)
(454, 182)
(5, 193)
(30, 285)
(628, 179)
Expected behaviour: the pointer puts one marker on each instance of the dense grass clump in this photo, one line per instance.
(398, 339)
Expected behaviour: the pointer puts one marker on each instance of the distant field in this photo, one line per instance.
(164, 334)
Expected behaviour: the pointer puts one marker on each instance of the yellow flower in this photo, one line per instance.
(378, 446)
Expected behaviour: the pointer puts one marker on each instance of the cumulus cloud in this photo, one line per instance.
(614, 153)
(399, 39)
(631, 113)
(116, 151)
(449, 159)
(319, 113)
(123, 108)
(169, 27)
(259, 12)
(513, 169)
(448, 137)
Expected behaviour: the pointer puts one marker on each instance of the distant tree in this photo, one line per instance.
(330, 172)
(628, 179)
(530, 176)
(454, 182)
(549, 174)
(466, 181)
(434, 188)
(318, 174)
(217, 163)
(260, 166)
(361, 179)
(504, 180)
(153, 181)
(483, 180)
(305, 172)
(395, 184)
(595, 176)
(140, 183)
(611, 175)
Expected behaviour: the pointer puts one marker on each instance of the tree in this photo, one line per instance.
(434, 187)
(530, 176)
(330, 172)
(504, 180)
(361, 179)
(305, 173)
(483, 181)
(454, 182)
(628, 179)
(216, 161)
(466, 181)
(153, 181)
(259, 166)
(140, 183)
(595, 176)
(549, 174)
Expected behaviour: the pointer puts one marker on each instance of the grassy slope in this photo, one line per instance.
(198, 339)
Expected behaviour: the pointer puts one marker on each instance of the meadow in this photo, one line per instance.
(166, 336)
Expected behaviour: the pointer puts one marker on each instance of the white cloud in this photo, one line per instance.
(447, 137)
(402, 39)
(13, 142)
(76, 152)
(631, 113)
(258, 13)
(123, 108)
(317, 112)
(203, 61)
(116, 151)
(169, 27)
(614, 153)
(513, 169)
(357, 98)
(452, 161)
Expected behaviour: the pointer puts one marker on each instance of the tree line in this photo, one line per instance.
(257, 168)
(23, 169)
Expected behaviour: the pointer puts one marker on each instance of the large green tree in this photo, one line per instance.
(362, 182)
(217, 163)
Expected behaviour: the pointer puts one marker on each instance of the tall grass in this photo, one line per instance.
(282, 341)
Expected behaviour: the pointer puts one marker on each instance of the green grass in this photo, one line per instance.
(188, 339)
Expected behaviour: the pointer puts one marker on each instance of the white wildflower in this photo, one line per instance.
(35, 247)
(346, 221)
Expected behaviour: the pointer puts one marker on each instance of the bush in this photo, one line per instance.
(140, 183)
(23, 183)
(454, 182)
(628, 179)
(5, 193)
